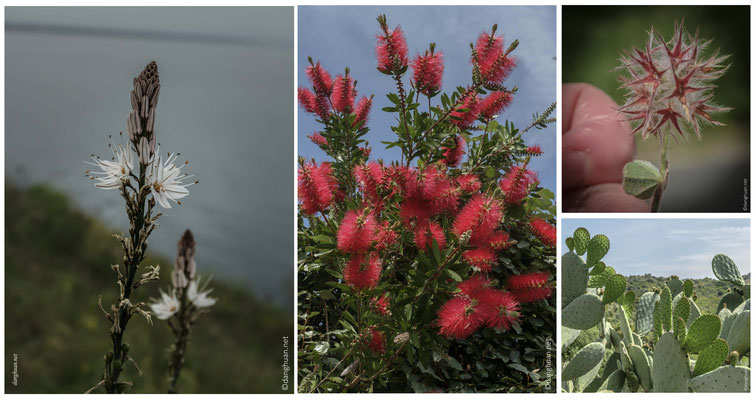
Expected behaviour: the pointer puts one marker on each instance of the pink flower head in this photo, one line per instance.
(318, 139)
(342, 97)
(467, 112)
(480, 216)
(428, 70)
(316, 187)
(363, 271)
(499, 240)
(493, 104)
(377, 341)
(381, 304)
(481, 258)
(469, 183)
(414, 211)
(500, 309)
(495, 65)
(356, 232)
(544, 231)
(426, 233)
(391, 50)
(320, 79)
(473, 285)
(534, 151)
(445, 196)
(670, 84)
(531, 287)
(453, 153)
(405, 178)
(362, 110)
(369, 177)
(459, 318)
(516, 184)
(307, 99)
(366, 151)
(385, 237)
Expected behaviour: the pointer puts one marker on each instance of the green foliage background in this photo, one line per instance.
(593, 38)
(56, 264)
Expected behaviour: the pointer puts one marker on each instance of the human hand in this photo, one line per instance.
(596, 144)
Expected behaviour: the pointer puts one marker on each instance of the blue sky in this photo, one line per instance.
(664, 247)
(346, 36)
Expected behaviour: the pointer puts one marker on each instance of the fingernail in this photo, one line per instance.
(574, 168)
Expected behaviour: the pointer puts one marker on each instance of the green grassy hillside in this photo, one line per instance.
(56, 264)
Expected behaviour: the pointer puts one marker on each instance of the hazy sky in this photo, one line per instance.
(664, 247)
(346, 36)
(225, 104)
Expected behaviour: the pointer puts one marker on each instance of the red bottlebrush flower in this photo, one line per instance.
(385, 237)
(426, 233)
(459, 318)
(495, 66)
(534, 151)
(480, 216)
(414, 210)
(516, 184)
(318, 139)
(406, 178)
(494, 104)
(453, 154)
(391, 50)
(356, 232)
(363, 272)
(366, 151)
(465, 118)
(320, 79)
(362, 110)
(445, 197)
(377, 341)
(500, 310)
(342, 97)
(499, 240)
(322, 108)
(481, 258)
(469, 183)
(370, 177)
(307, 99)
(544, 231)
(471, 286)
(316, 187)
(428, 71)
(381, 305)
(531, 287)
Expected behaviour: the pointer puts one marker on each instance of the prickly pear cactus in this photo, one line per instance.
(584, 312)
(732, 300)
(644, 312)
(711, 357)
(584, 361)
(581, 238)
(739, 335)
(597, 249)
(641, 366)
(671, 370)
(702, 333)
(574, 278)
(726, 270)
(727, 379)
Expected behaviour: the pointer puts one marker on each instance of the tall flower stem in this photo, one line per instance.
(664, 164)
(179, 347)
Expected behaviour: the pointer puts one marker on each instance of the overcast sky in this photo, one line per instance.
(664, 247)
(346, 36)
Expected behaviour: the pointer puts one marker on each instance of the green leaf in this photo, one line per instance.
(640, 178)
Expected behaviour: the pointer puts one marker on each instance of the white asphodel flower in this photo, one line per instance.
(166, 181)
(199, 299)
(166, 306)
(112, 172)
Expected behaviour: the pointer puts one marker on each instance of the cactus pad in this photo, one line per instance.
(680, 330)
(574, 277)
(584, 361)
(615, 382)
(675, 286)
(727, 319)
(665, 309)
(644, 312)
(726, 270)
(670, 371)
(682, 309)
(627, 333)
(702, 333)
(739, 336)
(584, 312)
(688, 288)
(569, 335)
(599, 280)
(732, 300)
(711, 357)
(580, 238)
(570, 242)
(641, 366)
(615, 287)
(597, 249)
(727, 379)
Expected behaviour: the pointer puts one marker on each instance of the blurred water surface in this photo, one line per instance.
(225, 104)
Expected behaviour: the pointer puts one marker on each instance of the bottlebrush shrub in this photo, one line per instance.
(433, 272)
(670, 90)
